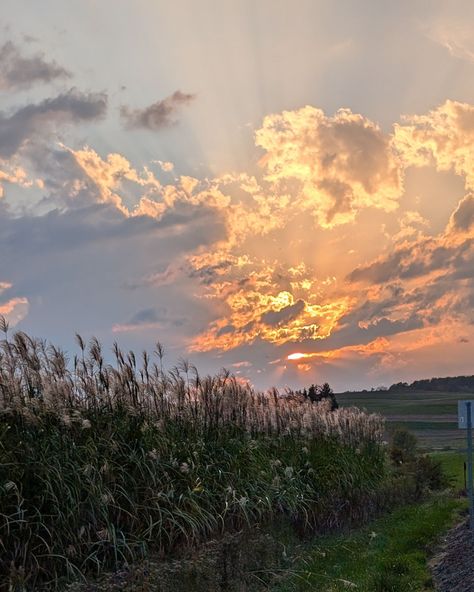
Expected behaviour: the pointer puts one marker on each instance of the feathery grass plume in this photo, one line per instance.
(104, 463)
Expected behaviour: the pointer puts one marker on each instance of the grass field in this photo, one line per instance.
(453, 465)
(390, 554)
(431, 416)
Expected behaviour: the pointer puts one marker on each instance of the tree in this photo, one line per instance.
(313, 394)
(326, 392)
(317, 393)
(403, 446)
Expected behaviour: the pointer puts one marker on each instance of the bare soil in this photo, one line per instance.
(453, 565)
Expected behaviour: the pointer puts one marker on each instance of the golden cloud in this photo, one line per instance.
(257, 309)
(444, 138)
(317, 172)
(338, 165)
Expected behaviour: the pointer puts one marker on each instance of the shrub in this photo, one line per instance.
(403, 446)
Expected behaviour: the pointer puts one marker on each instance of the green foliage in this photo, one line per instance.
(425, 472)
(403, 446)
(101, 466)
(76, 498)
(452, 464)
(316, 394)
(430, 473)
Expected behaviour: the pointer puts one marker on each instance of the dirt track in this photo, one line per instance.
(453, 566)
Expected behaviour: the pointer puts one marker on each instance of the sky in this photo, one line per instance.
(281, 188)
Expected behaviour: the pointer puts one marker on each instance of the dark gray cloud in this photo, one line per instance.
(37, 119)
(463, 217)
(158, 115)
(225, 330)
(96, 224)
(20, 72)
(416, 260)
(153, 316)
(449, 294)
(350, 333)
(142, 317)
(64, 231)
(72, 265)
(284, 315)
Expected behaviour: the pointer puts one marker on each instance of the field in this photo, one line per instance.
(431, 416)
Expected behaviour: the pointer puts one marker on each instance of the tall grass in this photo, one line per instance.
(102, 464)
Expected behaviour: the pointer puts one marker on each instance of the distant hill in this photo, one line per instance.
(450, 384)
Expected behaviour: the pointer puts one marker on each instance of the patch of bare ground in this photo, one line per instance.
(453, 565)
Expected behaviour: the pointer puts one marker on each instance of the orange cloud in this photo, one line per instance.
(14, 310)
(109, 176)
(256, 309)
(14, 175)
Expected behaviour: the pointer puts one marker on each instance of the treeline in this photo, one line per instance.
(452, 384)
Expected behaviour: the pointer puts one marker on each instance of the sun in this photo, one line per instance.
(297, 356)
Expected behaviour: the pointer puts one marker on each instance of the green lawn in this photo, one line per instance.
(389, 555)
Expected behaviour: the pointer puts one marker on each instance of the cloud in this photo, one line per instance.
(165, 165)
(258, 260)
(423, 282)
(414, 259)
(71, 265)
(455, 37)
(4, 286)
(462, 219)
(158, 115)
(149, 319)
(22, 72)
(330, 166)
(260, 306)
(106, 180)
(284, 315)
(444, 137)
(147, 315)
(36, 120)
(15, 309)
(14, 175)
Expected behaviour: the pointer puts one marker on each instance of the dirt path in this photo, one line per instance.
(453, 566)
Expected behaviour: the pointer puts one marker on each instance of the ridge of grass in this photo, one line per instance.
(103, 465)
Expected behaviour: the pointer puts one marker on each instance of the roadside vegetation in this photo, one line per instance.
(390, 555)
(105, 465)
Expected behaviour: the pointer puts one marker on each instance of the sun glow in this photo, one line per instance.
(298, 356)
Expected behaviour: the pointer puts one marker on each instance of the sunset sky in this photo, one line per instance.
(243, 181)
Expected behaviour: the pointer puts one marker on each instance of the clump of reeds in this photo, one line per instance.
(101, 464)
